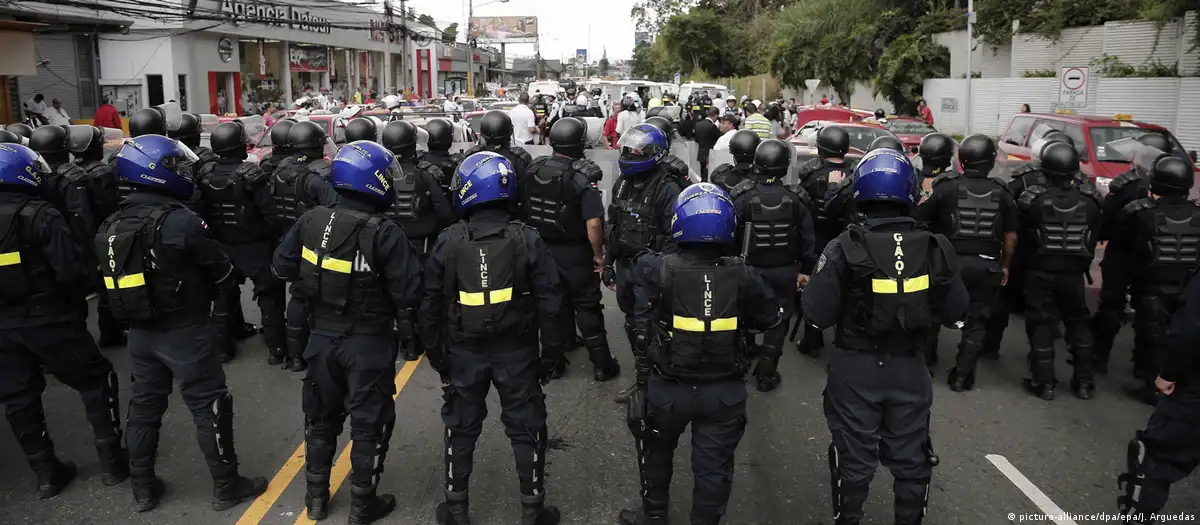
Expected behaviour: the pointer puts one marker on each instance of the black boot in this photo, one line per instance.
(147, 490)
(52, 475)
(455, 510)
(604, 366)
(535, 512)
(366, 507)
(296, 364)
(316, 495)
(813, 342)
(960, 382)
(639, 517)
(1083, 390)
(114, 460)
(228, 491)
(1044, 391)
(275, 356)
(244, 330)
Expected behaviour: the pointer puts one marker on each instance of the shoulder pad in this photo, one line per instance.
(1029, 194)
(720, 169)
(588, 169)
(676, 163)
(741, 188)
(811, 166)
(1024, 168)
(522, 154)
(1090, 190)
(429, 167)
(251, 172)
(1122, 180)
(72, 172)
(322, 166)
(1140, 205)
(949, 175)
(804, 197)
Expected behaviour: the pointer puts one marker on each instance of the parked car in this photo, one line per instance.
(806, 114)
(861, 133)
(909, 130)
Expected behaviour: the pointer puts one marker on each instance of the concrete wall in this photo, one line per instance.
(124, 65)
(990, 61)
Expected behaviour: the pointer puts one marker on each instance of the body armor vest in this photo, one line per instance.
(976, 215)
(338, 273)
(413, 208)
(698, 320)
(637, 221)
(486, 283)
(1176, 240)
(446, 164)
(1061, 230)
(770, 229)
(142, 286)
(887, 305)
(289, 192)
(548, 201)
(814, 179)
(540, 110)
(101, 185)
(30, 288)
(728, 176)
(227, 191)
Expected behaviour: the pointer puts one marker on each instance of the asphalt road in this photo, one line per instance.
(1068, 449)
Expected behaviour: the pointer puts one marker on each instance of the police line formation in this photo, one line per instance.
(388, 252)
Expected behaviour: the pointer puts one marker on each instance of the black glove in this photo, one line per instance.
(551, 367)
(608, 276)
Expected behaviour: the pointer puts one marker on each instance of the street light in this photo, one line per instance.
(470, 47)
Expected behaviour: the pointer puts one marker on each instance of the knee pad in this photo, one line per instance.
(223, 411)
(1133, 480)
(112, 400)
(835, 480)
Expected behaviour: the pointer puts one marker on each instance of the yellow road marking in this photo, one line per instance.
(278, 484)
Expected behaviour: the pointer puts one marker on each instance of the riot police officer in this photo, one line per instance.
(1160, 238)
(9, 137)
(189, 134)
(691, 310)
(358, 272)
(1166, 452)
(496, 128)
(1031, 174)
(45, 277)
(235, 193)
(50, 142)
(279, 146)
(363, 129)
(1060, 222)
(492, 338)
(937, 153)
(1114, 272)
(839, 202)
(816, 177)
(20, 129)
(885, 283)
(672, 164)
(441, 137)
(561, 200)
(639, 219)
(163, 269)
(541, 108)
(979, 217)
(421, 206)
(777, 240)
(742, 146)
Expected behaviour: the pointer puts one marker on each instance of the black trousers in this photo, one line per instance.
(1049, 297)
(1172, 445)
(349, 375)
(187, 355)
(581, 300)
(982, 278)
(716, 412)
(702, 158)
(1154, 308)
(877, 407)
(1010, 300)
(625, 301)
(253, 261)
(782, 280)
(1110, 314)
(297, 325)
(523, 413)
(68, 351)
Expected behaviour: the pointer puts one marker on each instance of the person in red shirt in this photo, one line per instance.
(925, 112)
(107, 116)
(610, 125)
(824, 99)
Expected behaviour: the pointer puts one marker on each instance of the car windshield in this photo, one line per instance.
(468, 105)
(1101, 136)
(861, 138)
(474, 121)
(910, 127)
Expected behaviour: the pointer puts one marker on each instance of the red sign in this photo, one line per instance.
(308, 59)
(444, 64)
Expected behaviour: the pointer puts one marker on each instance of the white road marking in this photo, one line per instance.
(1031, 491)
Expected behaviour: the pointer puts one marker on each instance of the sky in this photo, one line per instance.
(563, 26)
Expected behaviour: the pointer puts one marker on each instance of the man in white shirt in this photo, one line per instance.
(524, 126)
(627, 119)
(37, 106)
(57, 116)
(451, 105)
(728, 126)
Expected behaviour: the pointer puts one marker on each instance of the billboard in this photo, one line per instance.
(507, 29)
(308, 59)
(580, 56)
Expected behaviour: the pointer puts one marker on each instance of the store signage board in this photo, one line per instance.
(274, 15)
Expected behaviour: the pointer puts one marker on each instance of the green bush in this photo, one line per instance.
(1111, 66)
(1039, 73)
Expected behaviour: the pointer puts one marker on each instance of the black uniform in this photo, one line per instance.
(1161, 238)
(817, 177)
(91, 190)
(1115, 271)
(975, 212)
(692, 311)
(879, 393)
(46, 276)
(775, 236)
(163, 269)
(235, 195)
(492, 339)
(422, 208)
(357, 271)
(447, 163)
(559, 196)
(1059, 225)
(1167, 451)
(728, 176)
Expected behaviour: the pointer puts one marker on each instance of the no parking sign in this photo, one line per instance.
(1073, 87)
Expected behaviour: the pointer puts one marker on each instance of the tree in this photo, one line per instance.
(830, 40)
(905, 65)
(427, 20)
(604, 66)
(450, 34)
(653, 62)
(698, 40)
(651, 15)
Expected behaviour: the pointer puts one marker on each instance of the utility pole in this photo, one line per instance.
(470, 50)
(970, 50)
(387, 47)
(403, 46)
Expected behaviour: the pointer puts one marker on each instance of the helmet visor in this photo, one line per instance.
(80, 138)
(40, 166)
(254, 128)
(172, 115)
(182, 158)
(209, 122)
(637, 145)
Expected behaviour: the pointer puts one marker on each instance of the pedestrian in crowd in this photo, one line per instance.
(924, 111)
(524, 123)
(107, 115)
(610, 126)
(757, 123)
(36, 108)
(1025, 108)
(57, 115)
(707, 134)
(824, 99)
(741, 145)
(628, 117)
(727, 125)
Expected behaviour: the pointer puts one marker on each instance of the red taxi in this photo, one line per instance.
(909, 130)
(806, 114)
(862, 134)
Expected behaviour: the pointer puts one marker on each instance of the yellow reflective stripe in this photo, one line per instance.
(723, 325)
(915, 284)
(337, 265)
(691, 324)
(128, 281)
(688, 324)
(10, 259)
(308, 255)
(502, 295)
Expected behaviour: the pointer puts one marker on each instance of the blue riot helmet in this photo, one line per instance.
(158, 164)
(885, 175)
(365, 169)
(21, 168)
(703, 214)
(481, 178)
(642, 149)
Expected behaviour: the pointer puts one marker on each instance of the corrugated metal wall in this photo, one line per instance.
(985, 104)
(1147, 99)
(939, 91)
(1187, 129)
(59, 78)
(1189, 59)
(1040, 93)
(1076, 47)
(1141, 42)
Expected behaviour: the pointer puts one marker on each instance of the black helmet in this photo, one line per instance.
(879, 113)
(441, 134)
(743, 144)
(1172, 176)
(1060, 160)
(496, 128)
(628, 104)
(8, 137)
(567, 136)
(886, 141)
(596, 92)
(663, 125)
(22, 129)
(189, 130)
(653, 112)
(772, 158)
(832, 141)
(147, 121)
(362, 128)
(977, 153)
(229, 140)
(400, 137)
(937, 149)
(307, 135)
(1156, 141)
(1059, 136)
(49, 141)
(279, 135)
(571, 92)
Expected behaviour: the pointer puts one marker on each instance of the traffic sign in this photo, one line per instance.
(677, 78)
(812, 84)
(1073, 87)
